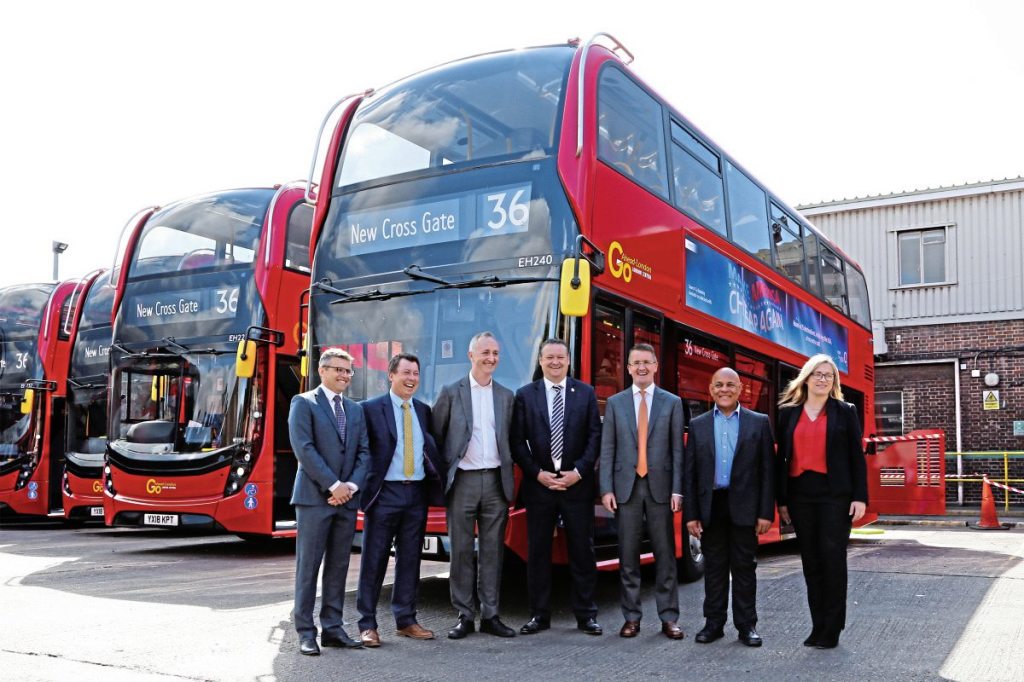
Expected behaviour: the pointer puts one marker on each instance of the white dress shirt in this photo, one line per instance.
(482, 452)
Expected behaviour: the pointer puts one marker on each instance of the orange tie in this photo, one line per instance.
(641, 438)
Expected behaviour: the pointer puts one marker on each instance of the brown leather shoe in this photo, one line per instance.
(370, 638)
(671, 630)
(631, 628)
(416, 631)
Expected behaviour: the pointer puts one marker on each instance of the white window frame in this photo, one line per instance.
(949, 255)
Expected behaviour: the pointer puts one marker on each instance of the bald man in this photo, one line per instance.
(728, 500)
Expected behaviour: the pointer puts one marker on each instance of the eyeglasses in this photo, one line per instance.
(823, 376)
(643, 363)
(343, 371)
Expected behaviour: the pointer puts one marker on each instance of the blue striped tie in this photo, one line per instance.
(557, 427)
(339, 414)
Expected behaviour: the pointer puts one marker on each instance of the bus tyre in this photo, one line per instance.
(691, 564)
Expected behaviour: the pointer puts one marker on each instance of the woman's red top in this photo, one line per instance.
(809, 445)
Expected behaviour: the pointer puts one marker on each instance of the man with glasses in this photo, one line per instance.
(328, 435)
(728, 500)
(641, 476)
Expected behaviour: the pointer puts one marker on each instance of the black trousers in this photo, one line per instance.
(729, 550)
(576, 508)
(822, 523)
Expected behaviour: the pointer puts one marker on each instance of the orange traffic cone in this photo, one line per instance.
(989, 520)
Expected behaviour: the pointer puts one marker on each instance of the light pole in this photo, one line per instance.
(58, 248)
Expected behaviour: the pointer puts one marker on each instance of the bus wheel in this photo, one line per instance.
(691, 564)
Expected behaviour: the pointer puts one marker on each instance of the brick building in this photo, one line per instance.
(945, 271)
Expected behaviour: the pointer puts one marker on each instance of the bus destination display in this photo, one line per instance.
(194, 305)
(488, 213)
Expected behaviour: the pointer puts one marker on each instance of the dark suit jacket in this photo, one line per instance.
(452, 425)
(752, 481)
(531, 433)
(617, 472)
(380, 425)
(844, 451)
(313, 432)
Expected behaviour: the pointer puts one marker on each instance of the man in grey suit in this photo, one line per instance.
(729, 499)
(641, 475)
(471, 421)
(328, 434)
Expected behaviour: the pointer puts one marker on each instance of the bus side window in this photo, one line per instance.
(631, 131)
(300, 224)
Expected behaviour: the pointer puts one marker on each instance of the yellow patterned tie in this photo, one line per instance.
(410, 463)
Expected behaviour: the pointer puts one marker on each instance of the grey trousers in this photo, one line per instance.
(476, 500)
(630, 518)
(324, 536)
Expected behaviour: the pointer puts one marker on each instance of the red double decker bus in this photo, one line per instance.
(485, 193)
(204, 363)
(34, 352)
(89, 325)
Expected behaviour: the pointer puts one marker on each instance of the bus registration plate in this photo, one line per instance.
(430, 544)
(95, 511)
(160, 519)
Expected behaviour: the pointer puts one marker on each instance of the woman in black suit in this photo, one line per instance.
(822, 487)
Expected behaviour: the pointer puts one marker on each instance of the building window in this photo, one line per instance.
(922, 255)
(889, 413)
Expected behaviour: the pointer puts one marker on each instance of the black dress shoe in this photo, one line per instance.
(339, 640)
(534, 626)
(494, 626)
(589, 626)
(709, 634)
(308, 647)
(812, 639)
(827, 642)
(464, 627)
(750, 637)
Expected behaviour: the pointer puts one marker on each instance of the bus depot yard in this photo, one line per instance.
(925, 603)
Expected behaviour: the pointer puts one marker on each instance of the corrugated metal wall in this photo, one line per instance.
(985, 256)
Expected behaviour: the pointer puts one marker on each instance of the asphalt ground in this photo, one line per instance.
(925, 603)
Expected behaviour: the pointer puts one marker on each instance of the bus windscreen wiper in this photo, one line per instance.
(378, 295)
(414, 272)
(182, 350)
(88, 384)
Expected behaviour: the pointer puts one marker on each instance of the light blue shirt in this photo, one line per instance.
(727, 432)
(396, 472)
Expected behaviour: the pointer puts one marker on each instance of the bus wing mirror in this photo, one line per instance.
(28, 401)
(245, 359)
(574, 289)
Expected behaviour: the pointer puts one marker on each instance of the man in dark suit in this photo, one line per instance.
(728, 500)
(403, 480)
(641, 476)
(556, 438)
(328, 434)
(472, 419)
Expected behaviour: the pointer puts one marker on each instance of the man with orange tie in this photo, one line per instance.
(641, 476)
(403, 480)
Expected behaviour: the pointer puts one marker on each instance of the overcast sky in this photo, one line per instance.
(108, 107)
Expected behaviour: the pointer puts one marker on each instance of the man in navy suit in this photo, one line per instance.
(728, 500)
(556, 439)
(403, 480)
(328, 434)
